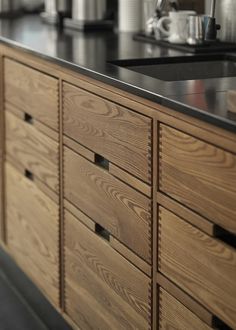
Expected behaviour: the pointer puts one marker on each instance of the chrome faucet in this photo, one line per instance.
(210, 24)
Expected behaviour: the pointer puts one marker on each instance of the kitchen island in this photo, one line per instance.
(118, 189)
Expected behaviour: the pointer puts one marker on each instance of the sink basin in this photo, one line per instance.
(184, 68)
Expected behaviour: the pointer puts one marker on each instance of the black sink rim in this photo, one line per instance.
(174, 59)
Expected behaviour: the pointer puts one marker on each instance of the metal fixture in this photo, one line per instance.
(210, 26)
(89, 10)
(195, 30)
(89, 15)
(225, 15)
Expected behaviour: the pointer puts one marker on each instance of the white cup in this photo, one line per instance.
(175, 26)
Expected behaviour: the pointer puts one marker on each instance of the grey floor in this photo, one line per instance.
(15, 314)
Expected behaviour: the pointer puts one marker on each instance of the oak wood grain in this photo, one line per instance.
(185, 213)
(118, 134)
(186, 300)
(32, 91)
(231, 100)
(114, 243)
(33, 150)
(37, 124)
(202, 266)
(131, 256)
(103, 290)
(174, 315)
(33, 232)
(113, 169)
(120, 209)
(78, 148)
(39, 184)
(131, 180)
(199, 176)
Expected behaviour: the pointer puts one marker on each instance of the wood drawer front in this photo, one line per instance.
(198, 175)
(174, 315)
(33, 150)
(103, 290)
(33, 232)
(120, 209)
(118, 134)
(32, 92)
(201, 265)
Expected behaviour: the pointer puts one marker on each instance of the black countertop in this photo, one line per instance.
(90, 54)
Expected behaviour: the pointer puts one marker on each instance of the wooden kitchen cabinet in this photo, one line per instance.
(203, 266)
(32, 220)
(32, 91)
(174, 315)
(118, 134)
(32, 149)
(120, 209)
(107, 194)
(102, 289)
(199, 175)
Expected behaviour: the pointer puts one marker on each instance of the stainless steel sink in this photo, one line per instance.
(184, 68)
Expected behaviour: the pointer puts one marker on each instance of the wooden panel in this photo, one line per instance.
(32, 92)
(196, 308)
(103, 290)
(33, 232)
(174, 315)
(186, 214)
(33, 150)
(78, 148)
(118, 134)
(231, 100)
(114, 243)
(199, 175)
(37, 124)
(123, 211)
(130, 179)
(202, 266)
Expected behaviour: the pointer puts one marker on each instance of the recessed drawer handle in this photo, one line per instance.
(102, 162)
(29, 175)
(225, 236)
(28, 118)
(220, 325)
(102, 232)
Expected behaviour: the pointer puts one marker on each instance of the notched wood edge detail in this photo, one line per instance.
(185, 299)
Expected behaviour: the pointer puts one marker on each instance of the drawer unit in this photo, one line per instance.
(203, 266)
(32, 220)
(198, 175)
(33, 150)
(103, 290)
(173, 314)
(118, 134)
(120, 209)
(32, 92)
